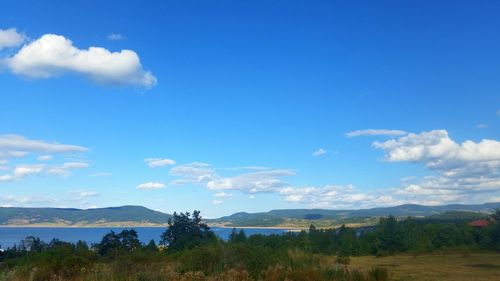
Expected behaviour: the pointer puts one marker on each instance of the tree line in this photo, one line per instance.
(188, 248)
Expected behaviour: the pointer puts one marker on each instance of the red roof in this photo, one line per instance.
(479, 223)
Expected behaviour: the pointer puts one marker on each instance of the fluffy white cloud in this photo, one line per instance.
(116, 37)
(151, 185)
(460, 172)
(435, 148)
(158, 162)
(319, 152)
(217, 202)
(10, 38)
(53, 55)
(375, 132)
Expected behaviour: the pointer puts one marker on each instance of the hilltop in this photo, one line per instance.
(111, 216)
(289, 218)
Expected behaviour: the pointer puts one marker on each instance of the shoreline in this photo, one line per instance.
(290, 228)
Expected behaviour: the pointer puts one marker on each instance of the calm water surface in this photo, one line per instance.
(12, 235)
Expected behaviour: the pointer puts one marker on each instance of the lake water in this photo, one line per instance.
(12, 235)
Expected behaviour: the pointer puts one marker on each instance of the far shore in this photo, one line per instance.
(290, 228)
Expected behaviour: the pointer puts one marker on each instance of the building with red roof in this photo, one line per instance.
(479, 223)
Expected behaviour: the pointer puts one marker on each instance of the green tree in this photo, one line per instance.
(109, 242)
(237, 236)
(391, 237)
(151, 246)
(129, 239)
(186, 232)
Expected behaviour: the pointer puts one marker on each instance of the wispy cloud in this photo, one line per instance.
(196, 172)
(222, 194)
(116, 37)
(159, 162)
(83, 193)
(319, 152)
(375, 132)
(257, 182)
(151, 185)
(44, 157)
(18, 146)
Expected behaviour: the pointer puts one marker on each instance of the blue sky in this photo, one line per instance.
(229, 101)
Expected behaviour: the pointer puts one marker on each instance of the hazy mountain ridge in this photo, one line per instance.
(123, 215)
(138, 215)
(289, 217)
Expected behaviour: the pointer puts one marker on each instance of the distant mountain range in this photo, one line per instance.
(141, 216)
(112, 216)
(304, 217)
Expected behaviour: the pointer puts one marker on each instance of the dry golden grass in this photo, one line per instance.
(436, 267)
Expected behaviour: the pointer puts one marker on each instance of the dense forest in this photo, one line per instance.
(189, 250)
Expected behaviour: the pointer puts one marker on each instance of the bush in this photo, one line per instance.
(378, 274)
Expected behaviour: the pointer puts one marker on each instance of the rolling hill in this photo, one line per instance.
(112, 216)
(299, 218)
(322, 217)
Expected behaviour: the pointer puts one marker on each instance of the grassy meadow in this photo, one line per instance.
(445, 266)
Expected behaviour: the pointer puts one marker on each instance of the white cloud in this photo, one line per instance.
(263, 181)
(22, 171)
(19, 146)
(26, 201)
(319, 152)
(116, 37)
(338, 197)
(53, 55)
(435, 148)
(158, 162)
(217, 202)
(64, 170)
(375, 132)
(222, 194)
(10, 38)
(460, 172)
(151, 185)
(195, 172)
(82, 193)
(27, 170)
(44, 158)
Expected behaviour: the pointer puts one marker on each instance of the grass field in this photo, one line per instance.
(436, 267)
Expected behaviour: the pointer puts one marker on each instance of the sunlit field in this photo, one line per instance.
(436, 267)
